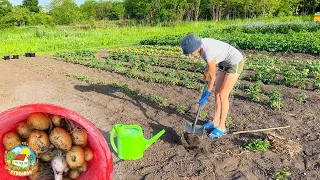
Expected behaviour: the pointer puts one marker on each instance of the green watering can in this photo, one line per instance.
(130, 140)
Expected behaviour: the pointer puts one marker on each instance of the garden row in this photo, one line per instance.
(188, 73)
(166, 51)
(151, 69)
(291, 73)
(301, 42)
(154, 70)
(275, 27)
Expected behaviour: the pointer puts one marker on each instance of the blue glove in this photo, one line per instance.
(204, 98)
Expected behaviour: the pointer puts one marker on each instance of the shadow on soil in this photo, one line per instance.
(106, 136)
(139, 100)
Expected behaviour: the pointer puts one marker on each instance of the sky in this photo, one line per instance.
(41, 2)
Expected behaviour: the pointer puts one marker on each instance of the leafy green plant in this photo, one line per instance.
(276, 27)
(229, 122)
(188, 84)
(203, 114)
(116, 67)
(125, 88)
(132, 73)
(281, 174)
(181, 109)
(237, 85)
(253, 92)
(257, 145)
(81, 77)
(295, 78)
(115, 84)
(301, 97)
(164, 102)
(316, 84)
(154, 98)
(200, 88)
(314, 67)
(275, 99)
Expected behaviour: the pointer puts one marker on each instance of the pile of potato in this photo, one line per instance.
(46, 134)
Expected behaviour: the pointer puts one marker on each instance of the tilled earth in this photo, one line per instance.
(44, 80)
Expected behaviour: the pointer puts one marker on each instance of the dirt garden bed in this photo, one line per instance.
(45, 80)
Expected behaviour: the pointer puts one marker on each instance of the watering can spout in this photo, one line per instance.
(154, 138)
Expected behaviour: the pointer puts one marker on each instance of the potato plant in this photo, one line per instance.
(275, 99)
(253, 92)
(301, 97)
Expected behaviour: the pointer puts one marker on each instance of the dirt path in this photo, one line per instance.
(44, 80)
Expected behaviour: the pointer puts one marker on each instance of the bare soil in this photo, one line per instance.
(44, 80)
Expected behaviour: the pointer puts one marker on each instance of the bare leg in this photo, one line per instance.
(219, 82)
(228, 83)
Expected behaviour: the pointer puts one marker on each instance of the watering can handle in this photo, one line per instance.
(134, 127)
(112, 140)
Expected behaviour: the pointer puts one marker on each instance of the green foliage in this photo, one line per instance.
(77, 57)
(316, 84)
(5, 7)
(162, 101)
(203, 114)
(10, 155)
(253, 92)
(19, 16)
(118, 11)
(314, 68)
(295, 78)
(275, 27)
(172, 40)
(64, 12)
(32, 5)
(301, 97)
(168, 13)
(257, 145)
(81, 77)
(125, 88)
(275, 99)
(181, 109)
(281, 174)
(156, 11)
(89, 9)
(229, 122)
(303, 42)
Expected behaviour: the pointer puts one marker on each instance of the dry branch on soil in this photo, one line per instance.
(282, 145)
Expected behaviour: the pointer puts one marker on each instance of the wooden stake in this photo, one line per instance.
(259, 130)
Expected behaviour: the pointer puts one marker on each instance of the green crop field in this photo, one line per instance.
(18, 40)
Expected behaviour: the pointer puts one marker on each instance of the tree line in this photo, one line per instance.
(66, 12)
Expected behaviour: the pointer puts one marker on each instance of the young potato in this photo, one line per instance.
(39, 121)
(61, 139)
(11, 139)
(46, 157)
(88, 155)
(75, 157)
(38, 141)
(58, 121)
(83, 167)
(79, 137)
(74, 173)
(23, 130)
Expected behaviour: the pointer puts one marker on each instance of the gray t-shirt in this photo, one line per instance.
(221, 52)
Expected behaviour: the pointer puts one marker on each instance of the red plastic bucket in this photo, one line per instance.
(99, 168)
